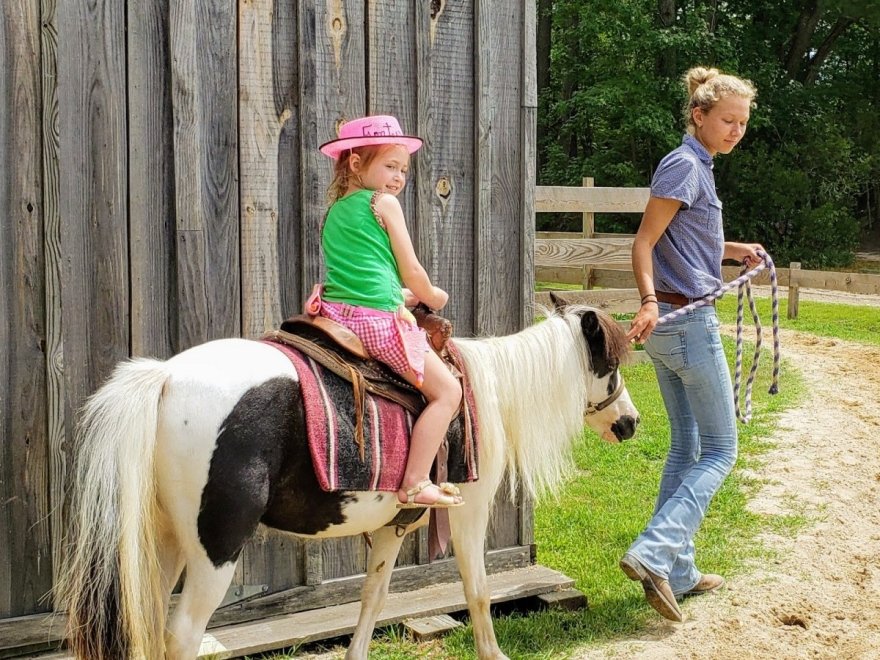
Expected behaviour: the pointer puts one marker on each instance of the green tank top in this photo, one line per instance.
(361, 268)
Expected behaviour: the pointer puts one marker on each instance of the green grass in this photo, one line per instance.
(861, 324)
(585, 530)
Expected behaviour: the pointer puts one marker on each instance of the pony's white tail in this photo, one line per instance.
(111, 582)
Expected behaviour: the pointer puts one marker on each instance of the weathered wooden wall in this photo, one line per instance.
(161, 186)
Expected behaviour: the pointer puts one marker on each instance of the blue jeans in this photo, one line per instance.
(695, 383)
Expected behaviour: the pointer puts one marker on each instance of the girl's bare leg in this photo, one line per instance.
(443, 393)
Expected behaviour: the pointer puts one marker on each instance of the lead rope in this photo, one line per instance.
(744, 284)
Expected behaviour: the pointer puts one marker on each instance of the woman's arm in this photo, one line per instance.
(413, 274)
(745, 253)
(658, 214)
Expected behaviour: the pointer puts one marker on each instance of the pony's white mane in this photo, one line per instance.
(531, 389)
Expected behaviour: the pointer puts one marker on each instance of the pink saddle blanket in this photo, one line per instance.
(329, 405)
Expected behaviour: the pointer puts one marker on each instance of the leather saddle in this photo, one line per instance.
(338, 349)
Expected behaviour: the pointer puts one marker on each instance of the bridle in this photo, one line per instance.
(593, 408)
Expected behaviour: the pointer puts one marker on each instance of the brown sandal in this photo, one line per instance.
(446, 500)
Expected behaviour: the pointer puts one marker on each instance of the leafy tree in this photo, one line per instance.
(806, 179)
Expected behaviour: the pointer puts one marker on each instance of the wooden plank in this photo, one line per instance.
(32, 630)
(203, 52)
(561, 275)
(55, 394)
(151, 182)
(392, 42)
(613, 301)
(94, 193)
(427, 628)
(794, 289)
(729, 273)
(612, 278)
(499, 182)
(567, 599)
(528, 173)
(392, 81)
(332, 89)
(583, 251)
(25, 542)
(28, 631)
(286, 92)
(598, 200)
(337, 620)
(499, 99)
(260, 125)
(341, 619)
(865, 283)
(601, 234)
(348, 589)
(447, 176)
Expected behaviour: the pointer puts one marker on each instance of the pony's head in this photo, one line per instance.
(609, 410)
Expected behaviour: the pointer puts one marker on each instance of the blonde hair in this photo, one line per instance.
(708, 86)
(342, 174)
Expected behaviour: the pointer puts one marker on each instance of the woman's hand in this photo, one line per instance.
(745, 253)
(644, 322)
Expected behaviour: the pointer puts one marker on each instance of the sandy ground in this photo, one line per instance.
(821, 597)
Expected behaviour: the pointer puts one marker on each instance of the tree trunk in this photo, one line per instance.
(667, 65)
(803, 33)
(543, 37)
(543, 43)
(815, 63)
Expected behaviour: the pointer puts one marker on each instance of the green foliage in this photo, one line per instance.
(806, 179)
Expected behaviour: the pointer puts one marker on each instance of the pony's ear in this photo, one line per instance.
(558, 302)
(590, 324)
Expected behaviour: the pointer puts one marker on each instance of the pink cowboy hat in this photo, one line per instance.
(378, 129)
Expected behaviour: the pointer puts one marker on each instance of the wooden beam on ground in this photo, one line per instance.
(567, 599)
(325, 623)
(431, 627)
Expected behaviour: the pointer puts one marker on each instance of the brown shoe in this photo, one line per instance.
(657, 591)
(709, 582)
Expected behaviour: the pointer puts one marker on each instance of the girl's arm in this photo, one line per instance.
(658, 214)
(414, 276)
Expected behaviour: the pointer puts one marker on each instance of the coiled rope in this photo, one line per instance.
(745, 287)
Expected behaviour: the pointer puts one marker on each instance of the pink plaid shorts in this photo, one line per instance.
(387, 336)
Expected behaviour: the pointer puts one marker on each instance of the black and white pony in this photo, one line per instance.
(177, 462)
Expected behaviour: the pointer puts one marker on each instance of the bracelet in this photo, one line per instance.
(649, 295)
(650, 301)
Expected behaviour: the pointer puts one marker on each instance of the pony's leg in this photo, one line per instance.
(468, 525)
(171, 563)
(380, 563)
(203, 591)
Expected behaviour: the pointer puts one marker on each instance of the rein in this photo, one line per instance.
(744, 284)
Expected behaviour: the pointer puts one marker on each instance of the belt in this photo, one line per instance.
(676, 299)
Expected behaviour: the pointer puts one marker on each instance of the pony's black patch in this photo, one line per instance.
(261, 471)
(594, 333)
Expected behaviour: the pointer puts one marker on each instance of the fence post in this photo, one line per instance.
(588, 229)
(793, 289)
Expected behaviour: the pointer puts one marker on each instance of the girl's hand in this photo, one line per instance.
(745, 253)
(644, 322)
(440, 298)
(409, 298)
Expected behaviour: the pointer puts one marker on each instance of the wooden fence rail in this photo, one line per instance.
(602, 260)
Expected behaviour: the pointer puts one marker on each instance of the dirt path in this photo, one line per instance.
(821, 597)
